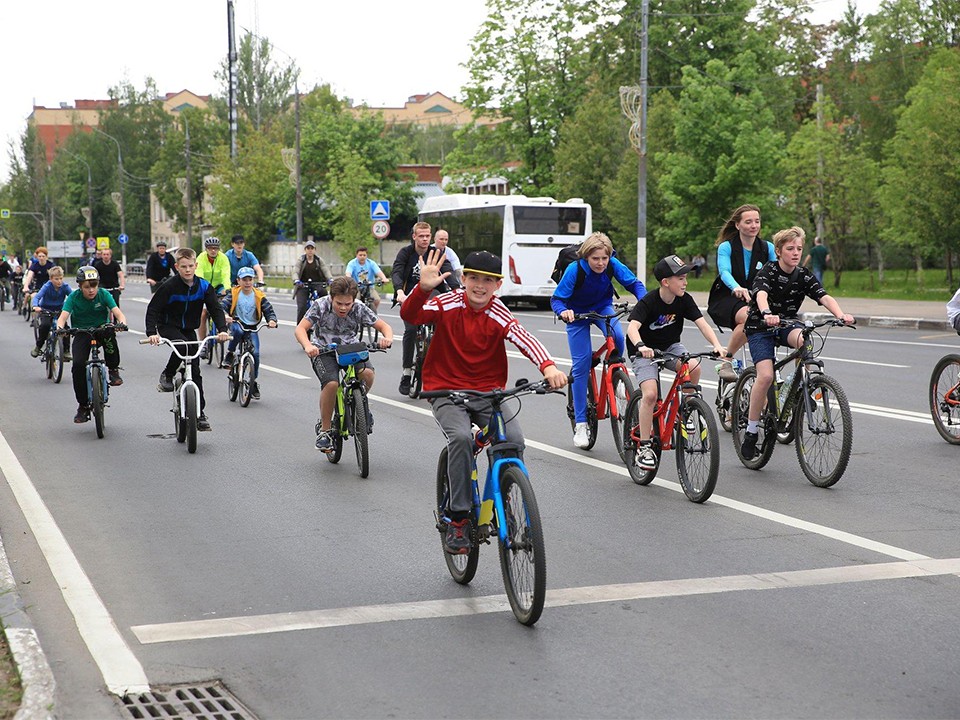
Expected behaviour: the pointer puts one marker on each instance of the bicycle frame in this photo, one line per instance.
(96, 359)
(495, 441)
(348, 381)
(603, 391)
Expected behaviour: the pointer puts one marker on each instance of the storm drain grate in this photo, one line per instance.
(187, 702)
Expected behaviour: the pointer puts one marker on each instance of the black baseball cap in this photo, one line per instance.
(669, 266)
(483, 263)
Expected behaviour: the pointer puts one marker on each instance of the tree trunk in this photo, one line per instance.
(919, 265)
(880, 264)
(949, 268)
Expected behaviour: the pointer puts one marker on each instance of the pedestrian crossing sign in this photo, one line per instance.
(379, 209)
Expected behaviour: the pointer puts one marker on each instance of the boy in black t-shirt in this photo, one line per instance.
(778, 291)
(655, 324)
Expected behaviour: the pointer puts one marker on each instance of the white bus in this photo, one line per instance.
(527, 233)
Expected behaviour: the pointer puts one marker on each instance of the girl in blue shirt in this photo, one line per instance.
(592, 293)
(50, 297)
(741, 252)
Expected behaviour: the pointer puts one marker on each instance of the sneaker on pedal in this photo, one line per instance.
(228, 358)
(83, 414)
(205, 351)
(457, 540)
(581, 438)
(646, 457)
(36, 351)
(166, 383)
(749, 447)
(202, 422)
(405, 385)
(255, 391)
(690, 425)
(369, 421)
(115, 378)
(324, 441)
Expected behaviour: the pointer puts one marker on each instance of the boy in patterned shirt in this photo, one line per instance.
(778, 291)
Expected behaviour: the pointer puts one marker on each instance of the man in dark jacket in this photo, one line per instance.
(405, 276)
(159, 266)
(174, 313)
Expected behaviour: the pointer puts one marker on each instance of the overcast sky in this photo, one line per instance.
(57, 51)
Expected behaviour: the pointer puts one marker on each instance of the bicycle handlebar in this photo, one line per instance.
(99, 330)
(814, 324)
(621, 310)
(541, 387)
(660, 357)
(173, 345)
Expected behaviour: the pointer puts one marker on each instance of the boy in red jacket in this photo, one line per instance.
(467, 353)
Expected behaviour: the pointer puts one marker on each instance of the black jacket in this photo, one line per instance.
(178, 305)
(157, 270)
(405, 272)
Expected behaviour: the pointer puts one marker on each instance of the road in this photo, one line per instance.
(312, 593)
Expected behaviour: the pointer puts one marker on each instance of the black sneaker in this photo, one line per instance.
(37, 350)
(405, 385)
(115, 378)
(202, 422)
(324, 442)
(228, 358)
(166, 383)
(205, 351)
(457, 539)
(255, 391)
(83, 414)
(749, 448)
(369, 421)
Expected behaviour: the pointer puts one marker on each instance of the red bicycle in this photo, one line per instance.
(614, 389)
(682, 421)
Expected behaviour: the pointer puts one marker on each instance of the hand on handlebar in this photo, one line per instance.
(384, 343)
(271, 323)
(223, 336)
(568, 316)
(555, 377)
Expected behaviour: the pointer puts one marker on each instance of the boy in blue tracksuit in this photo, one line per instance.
(587, 286)
(50, 297)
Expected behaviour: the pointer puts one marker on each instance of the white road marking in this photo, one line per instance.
(121, 670)
(281, 371)
(565, 597)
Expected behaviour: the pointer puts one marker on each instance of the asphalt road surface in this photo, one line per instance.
(312, 593)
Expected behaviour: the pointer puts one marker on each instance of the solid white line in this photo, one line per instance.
(121, 670)
(861, 362)
(565, 597)
(281, 371)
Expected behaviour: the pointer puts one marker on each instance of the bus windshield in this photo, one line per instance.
(549, 220)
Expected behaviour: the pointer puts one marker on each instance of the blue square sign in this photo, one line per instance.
(379, 209)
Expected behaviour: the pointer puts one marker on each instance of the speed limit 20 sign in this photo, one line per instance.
(381, 229)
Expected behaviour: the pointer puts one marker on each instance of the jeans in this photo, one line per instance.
(237, 331)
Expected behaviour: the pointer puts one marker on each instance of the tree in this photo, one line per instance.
(920, 195)
(726, 153)
(350, 189)
(264, 89)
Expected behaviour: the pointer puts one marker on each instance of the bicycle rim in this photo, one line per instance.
(462, 568)
(233, 384)
(592, 424)
(246, 380)
(523, 561)
(824, 442)
(725, 404)
(191, 420)
(622, 390)
(359, 429)
(631, 442)
(58, 359)
(698, 453)
(767, 426)
(97, 399)
(334, 455)
(944, 398)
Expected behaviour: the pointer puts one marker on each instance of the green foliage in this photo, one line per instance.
(726, 153)
(263, 88)
(244, 193)
(351, 188)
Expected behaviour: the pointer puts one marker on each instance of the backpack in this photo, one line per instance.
(570, 254)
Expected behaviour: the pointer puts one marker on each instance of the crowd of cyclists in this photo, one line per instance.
(759, 283)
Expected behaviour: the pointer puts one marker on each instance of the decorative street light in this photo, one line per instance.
(88, 215)
(118, 197)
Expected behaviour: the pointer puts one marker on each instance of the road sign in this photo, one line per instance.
(103, 243)
(379, 209)
(381, 229)
(122, 238)
(4, 213)
(65, 249)
(90, 242)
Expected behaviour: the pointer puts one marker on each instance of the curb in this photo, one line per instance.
(36, 677)
(889, 322)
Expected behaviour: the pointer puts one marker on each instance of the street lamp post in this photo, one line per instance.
(119, 201)
(88, 216)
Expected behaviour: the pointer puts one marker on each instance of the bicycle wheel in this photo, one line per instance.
(57, 359)
(945, 398)
(725, 404)
(179, 424)
(824, 444)
(462, 567)
(622, 390)
(219, 350)
(233, 383)
(523, 560)
(35, 324)
(359, 430)
(631, 441)
(766, 430)
(698, 454)
(192, 413)
(334, 455)
(48, 358)
(786, 437)
(416, 382)
(246, 379)
(96, 398)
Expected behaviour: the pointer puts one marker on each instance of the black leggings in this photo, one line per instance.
(81, 353)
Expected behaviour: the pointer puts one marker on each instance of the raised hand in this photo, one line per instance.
(430, 275)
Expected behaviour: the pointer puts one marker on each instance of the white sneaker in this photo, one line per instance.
(646, 458)
(690, 425)
(581, 437)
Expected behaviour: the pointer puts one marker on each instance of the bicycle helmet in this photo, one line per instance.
(212, 241)
(87, 272)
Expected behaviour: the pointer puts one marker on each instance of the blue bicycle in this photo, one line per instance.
(98, 382)
(507, 509)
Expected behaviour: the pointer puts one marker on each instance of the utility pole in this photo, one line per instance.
(187, 195)
(820, 229)
(296, 105)
(232, 80)
(118, 197)
(642, 149)
(88, 216)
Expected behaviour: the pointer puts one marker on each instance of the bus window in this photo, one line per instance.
(549, 220)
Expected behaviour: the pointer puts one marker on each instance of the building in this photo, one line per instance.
(427, 109)
(55, 125)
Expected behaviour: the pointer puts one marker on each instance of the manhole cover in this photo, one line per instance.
(210, 701)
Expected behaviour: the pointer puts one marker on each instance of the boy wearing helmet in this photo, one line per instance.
(90, 306)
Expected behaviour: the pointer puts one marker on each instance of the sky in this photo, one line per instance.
(55, 51)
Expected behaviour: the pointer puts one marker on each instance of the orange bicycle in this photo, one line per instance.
(695, 438)
(944, 398)
(613, 391)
